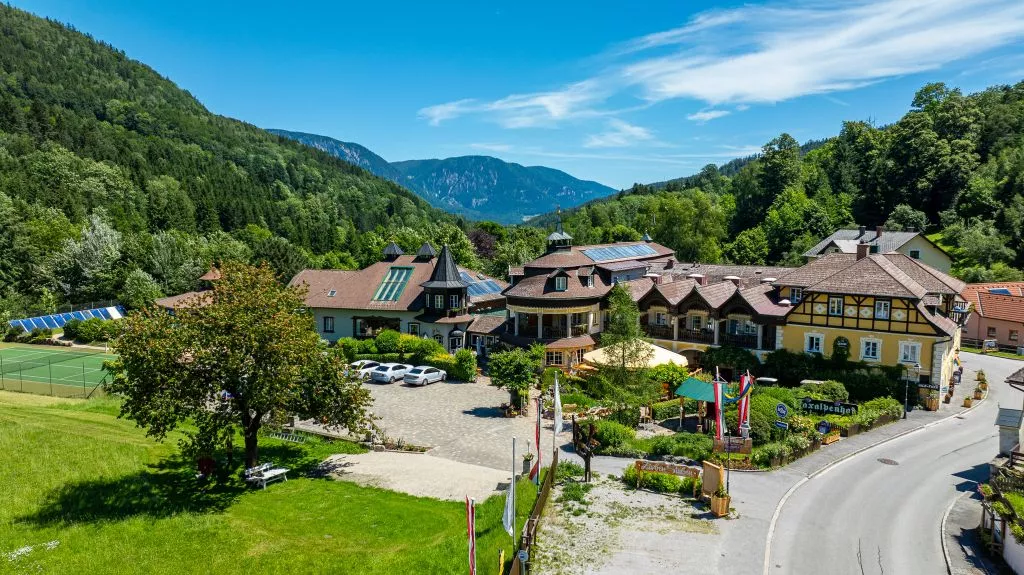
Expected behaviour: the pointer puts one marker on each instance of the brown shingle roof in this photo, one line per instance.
(541, 286)
(211, 276)
(871, 275)
(717, 294)
(638, 288)
(675, 291)
(574, 257)
(816, 270)
(757, 298)
(488, 324)
(945, 325)
(930, 278)
(571, 342)
(184, 300)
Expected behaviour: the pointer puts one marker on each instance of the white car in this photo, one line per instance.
(424, 374)
(389, 372)
(364, 367)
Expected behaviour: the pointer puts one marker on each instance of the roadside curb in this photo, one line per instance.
(778, 508)
(942, 531)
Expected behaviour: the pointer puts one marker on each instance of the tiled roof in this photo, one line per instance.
(211, 276)
(946, 325)
(515, 270)
(575, 256)
(675, 291)
(847, 240)
(571, 342)
(622, 266)
(638, 288)
(356, 289)
(757, 298)
(446, 273)
(540, 286)
(931, 279)
(997, 306)
(714, 273)
(871, 275)
(971, 291)
(1016, 377)
(486, 324)
(816, 270)
(184, 300)
(717, 294)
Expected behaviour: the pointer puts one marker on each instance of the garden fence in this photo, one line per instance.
(529, 533)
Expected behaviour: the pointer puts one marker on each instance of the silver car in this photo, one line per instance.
(424, 374)
(364, 367)
(389, 372)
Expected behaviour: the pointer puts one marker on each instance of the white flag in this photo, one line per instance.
(558, 409)
(508, 519)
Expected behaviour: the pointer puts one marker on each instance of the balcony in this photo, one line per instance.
(553, 332)
(658, 331)
(705, 336)
(748, 341)
(580, 329)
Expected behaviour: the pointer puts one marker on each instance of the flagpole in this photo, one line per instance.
(513, 494)
(472, 507)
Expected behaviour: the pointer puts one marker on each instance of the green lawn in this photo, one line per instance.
(115, 501)
(1005, 354)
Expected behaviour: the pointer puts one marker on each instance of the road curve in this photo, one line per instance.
(879, 512)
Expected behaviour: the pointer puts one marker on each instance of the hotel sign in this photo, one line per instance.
(826, 407)
(670, 468)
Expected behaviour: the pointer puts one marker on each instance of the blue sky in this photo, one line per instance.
(611, 91)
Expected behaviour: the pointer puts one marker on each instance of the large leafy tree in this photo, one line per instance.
(247, 356)
(626, 351)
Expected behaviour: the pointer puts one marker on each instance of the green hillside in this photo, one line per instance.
(953, 165)
(108, 169)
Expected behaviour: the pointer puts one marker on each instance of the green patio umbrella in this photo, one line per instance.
(694, 388)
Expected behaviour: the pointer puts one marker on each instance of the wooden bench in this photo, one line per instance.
(265, 473)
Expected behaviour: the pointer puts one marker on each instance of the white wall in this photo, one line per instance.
(1013, 553)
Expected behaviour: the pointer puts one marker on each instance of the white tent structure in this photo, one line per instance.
(658, 356)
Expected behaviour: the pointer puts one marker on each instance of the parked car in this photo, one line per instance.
(424, 374)
(364, 366)
(389, 372)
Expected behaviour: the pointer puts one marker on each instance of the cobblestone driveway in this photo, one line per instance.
(459, 421)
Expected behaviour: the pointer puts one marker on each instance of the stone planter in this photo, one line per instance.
(527, 465)
(967, 402)
(720, 505)
(983, 386)
(978, 394)
(932, 404)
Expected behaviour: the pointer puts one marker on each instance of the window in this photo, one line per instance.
(439, 338)
(588, 281)
(439, 301)
(328, 324)
(796, 294)
(991, 331)
(835, 306)
(813, 342)
(553, 358)
(414, 328)
(916, 254)
(696, 322)
(910, 352)
(453, 301)
(870, 350)
(454, 343)
(660, 319)
(881, 309)
(1013, 335)
(332, 293)
(561, 283)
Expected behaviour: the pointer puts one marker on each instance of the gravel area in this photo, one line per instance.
(419, 475)
(620, 530)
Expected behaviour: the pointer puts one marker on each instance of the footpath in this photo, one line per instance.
(965, 553)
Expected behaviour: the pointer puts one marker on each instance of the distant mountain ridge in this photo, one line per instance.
(478, 187)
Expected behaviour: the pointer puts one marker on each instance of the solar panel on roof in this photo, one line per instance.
(1000, 291)
(619, 252)
(103, 313)
(393, 284)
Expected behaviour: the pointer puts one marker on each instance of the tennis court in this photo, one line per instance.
(49, 370)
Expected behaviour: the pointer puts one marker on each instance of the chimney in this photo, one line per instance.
(734, 279)
(878, 232)
(861, 229)
(656, 278)
(862, 250)
(699, 279)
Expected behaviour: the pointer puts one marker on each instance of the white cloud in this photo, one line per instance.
(707, 115)
(767, 53)
(620, 134)
(499, 148)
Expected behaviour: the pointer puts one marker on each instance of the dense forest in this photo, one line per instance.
(953, 166)
(116, 183)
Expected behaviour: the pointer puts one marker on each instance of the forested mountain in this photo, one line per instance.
(114, 180)
(351, 152)
(478, 187)
(953, 166)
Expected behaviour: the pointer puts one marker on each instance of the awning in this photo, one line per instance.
(694, 388)
(659, 356)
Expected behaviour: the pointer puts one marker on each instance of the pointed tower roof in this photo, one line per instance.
(647, 237)
(558, 234)
(392, 250)
(426, 251)
(446, 273)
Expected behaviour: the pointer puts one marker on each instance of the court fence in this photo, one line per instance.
(73, 379)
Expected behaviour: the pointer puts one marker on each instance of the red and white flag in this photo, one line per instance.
(471, 532)
(535, 472)
(719, 406)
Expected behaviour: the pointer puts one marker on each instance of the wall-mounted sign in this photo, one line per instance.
(820, 406)
(928, 385)
(781, 410)
(781, 425)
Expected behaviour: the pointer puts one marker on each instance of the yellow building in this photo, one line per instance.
(882, 241)
(888, 309)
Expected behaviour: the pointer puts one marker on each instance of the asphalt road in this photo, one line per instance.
(865, 516)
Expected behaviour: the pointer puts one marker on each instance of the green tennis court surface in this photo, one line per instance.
(49, 370)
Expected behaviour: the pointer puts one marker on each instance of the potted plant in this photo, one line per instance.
(967, 402)
(978, 393)
(932, 403)
(720, 502)
(527, 463)
(980, 376)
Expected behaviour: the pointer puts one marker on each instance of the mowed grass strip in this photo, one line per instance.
(116, 502)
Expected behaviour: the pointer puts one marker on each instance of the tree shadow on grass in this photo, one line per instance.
(163, 489)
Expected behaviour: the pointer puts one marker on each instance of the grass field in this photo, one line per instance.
(51, 370)
(85, 492)
(1005, 354)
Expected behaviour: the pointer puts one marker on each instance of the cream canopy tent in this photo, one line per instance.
(658, 356)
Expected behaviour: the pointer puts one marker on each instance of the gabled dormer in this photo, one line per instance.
(559, 280)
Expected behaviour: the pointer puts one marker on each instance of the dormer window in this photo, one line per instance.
(332, 293)
(588, 281)
(561, 283)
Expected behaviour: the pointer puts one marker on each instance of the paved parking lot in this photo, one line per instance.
(458, 421)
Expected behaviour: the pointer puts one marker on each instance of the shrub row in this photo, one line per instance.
(90, 330)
